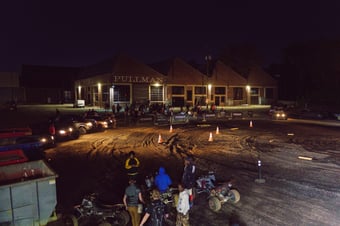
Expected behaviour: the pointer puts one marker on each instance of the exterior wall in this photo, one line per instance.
(9, 79)
(151, 87)
(10, 89)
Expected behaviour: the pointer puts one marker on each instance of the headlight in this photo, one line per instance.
(89, 124)
(277, 115)
(43, 140)
(70, 129)
(62, 132)
(283, 115)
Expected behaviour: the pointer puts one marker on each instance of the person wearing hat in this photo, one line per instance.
(131, 198)
(132, 165)
(188, 178)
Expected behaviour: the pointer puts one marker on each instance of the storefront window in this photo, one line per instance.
(254, 91)
(179, 90)
(121, 93)
(220, 90)
(156, 93)
(200, 90)
(238, 93)
(269, 93)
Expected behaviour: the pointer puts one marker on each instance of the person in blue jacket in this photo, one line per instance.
(162, 180)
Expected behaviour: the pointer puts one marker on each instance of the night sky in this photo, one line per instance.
(79, 33)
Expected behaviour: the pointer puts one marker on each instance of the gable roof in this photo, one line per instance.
(178, 71)
(224, 75)
(258, 77)
(120, 65)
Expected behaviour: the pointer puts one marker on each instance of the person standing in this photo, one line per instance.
(162, 180)
(156, 211)
(132, 165)
(131, 198)
(188, 179)
(183, 206)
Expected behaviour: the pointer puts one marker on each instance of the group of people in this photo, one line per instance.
(156, 211)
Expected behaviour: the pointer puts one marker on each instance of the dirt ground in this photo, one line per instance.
(296, 191)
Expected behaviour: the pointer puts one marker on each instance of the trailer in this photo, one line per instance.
(27, 194)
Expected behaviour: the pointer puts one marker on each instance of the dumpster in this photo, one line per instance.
(27, 194)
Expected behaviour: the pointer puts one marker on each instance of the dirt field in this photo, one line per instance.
(297, 191)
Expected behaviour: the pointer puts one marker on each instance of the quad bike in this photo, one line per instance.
(91, 212)
(169, 197)
(205, 183)
(222, 194)
(217, 194)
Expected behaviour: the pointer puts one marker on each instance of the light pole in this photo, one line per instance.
(207, 59)
(248, 94)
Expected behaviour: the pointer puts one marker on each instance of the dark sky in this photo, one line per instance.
(78, 33)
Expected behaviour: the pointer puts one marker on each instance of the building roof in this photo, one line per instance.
(224, 75)
(177, 71)
(258, 77)
(120, 65)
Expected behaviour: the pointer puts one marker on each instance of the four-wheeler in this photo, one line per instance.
(92, 212)
(217, 194)
(221, 194)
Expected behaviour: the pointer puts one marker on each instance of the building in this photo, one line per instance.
(123, 80)
(10, 89)
(48, 84)
(120, 80)
(262, 87)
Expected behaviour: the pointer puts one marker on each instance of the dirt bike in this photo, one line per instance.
(91, 212)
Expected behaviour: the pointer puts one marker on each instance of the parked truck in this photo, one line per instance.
(27, 194)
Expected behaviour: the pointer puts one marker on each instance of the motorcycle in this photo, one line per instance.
(91, 212)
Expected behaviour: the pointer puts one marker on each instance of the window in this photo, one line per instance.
(238, 93)
(189, 95)
(178, 90)
(200, 90)
(219, 90)
(156, 93)
(269, 93)
(121, 93)
(254, 91)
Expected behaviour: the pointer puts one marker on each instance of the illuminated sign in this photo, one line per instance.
(136, 79)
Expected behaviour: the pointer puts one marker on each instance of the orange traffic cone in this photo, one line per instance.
(217, 130)
(251, 124)
(170, 129)
(160, 140)
(210, 137)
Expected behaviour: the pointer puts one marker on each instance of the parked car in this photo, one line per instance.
(103, 122)
(84, 125)
(63, 130)
(33, 146)
(279, 115)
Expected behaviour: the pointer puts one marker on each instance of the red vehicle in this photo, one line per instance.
(15, 132)
(12, 157)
